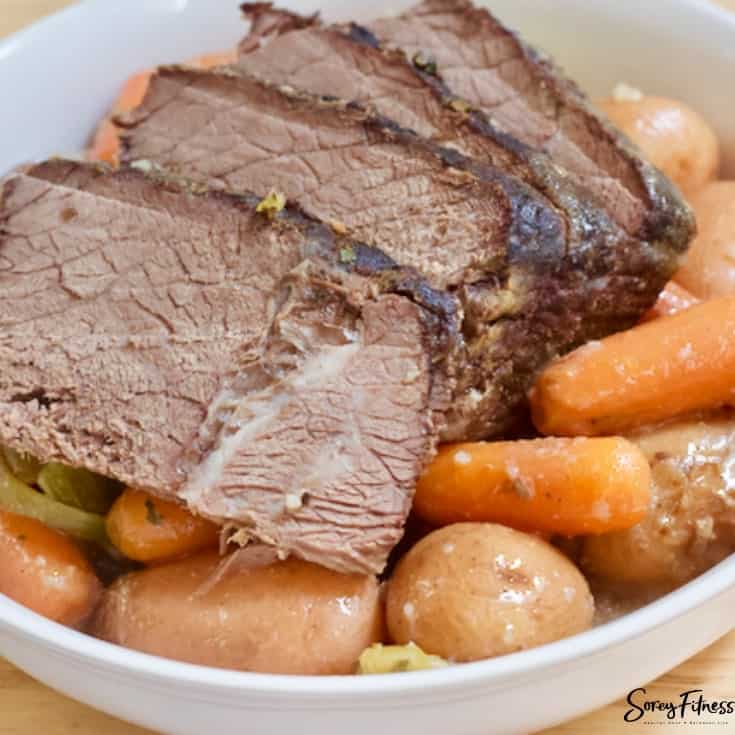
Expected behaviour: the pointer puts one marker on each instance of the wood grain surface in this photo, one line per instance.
(29, 708)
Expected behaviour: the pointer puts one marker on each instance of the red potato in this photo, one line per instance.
(43, 570)
(673, 137)
(477, 590)
(690, 525)
(709, 269)
(288, 617)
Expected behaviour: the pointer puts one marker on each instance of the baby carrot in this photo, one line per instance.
(565, 486)
(147, 529)
(653, 372)
(133, 92)
(106, 143)
(44, 570)
(208, 61)
(673, 299)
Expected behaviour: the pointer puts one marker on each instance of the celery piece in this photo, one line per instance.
(380, 659)
(78, 487)
(22, 465)
(17, 497)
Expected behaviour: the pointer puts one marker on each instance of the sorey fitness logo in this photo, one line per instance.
(691, 708)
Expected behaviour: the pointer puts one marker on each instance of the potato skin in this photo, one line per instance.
(288, 617)
(691, 522)
(45, 571)
(709, 269)
(476, 590)
(672, 136)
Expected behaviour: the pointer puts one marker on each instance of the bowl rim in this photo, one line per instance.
(18, 621)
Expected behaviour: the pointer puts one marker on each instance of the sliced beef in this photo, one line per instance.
(383, 183)
(347, 63)
(460, 53)
(350, 61)
(528, 97)
(280, 378)
(462, 224)
(538, 265)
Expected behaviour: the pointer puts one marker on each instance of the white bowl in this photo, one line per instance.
(57, 78)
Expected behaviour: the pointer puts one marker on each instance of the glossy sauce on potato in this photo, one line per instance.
(475, 590)
(288, 617)
(691, 521)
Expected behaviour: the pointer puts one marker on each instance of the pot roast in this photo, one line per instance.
(458, 215)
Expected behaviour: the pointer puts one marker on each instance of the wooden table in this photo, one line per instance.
(28, 708)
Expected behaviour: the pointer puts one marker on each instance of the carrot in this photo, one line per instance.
(106, 143)
(653, 372)
(208, 61)
(565, 486)
(133, 92)
(147, 529)
(671, 300)
(43, 570)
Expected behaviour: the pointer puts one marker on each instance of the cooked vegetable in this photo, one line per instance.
(209, 61)
(22, 465)
(671, 135)
(476, 590)
(271, 204)
(565, 486)
(78, 487)
(671, 300)
(133, 91)
(380, 659)
(147, 529)
(655, 371)
(17, 497)
(691, 522)
(43, 570)
(106, 143)
(709, 269)
(287, 617)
